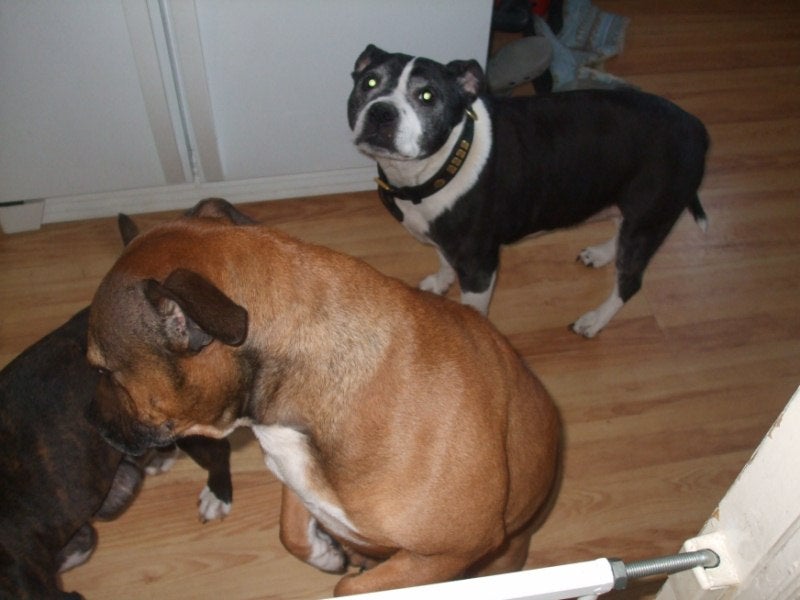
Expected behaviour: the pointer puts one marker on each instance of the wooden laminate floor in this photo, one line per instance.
(661, 411)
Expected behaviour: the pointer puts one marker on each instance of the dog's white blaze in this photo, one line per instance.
(287, 455)
(409, 129)
(593, 321)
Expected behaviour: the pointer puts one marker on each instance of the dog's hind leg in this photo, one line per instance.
(403, 569)
(601, 254)
(302, 536)
(511, 556)
(637, 242)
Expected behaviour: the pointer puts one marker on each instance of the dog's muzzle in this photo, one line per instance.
(379, 126)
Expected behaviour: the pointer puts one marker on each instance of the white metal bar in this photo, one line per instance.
(577, 580)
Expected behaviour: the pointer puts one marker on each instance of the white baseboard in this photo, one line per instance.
(172, 197)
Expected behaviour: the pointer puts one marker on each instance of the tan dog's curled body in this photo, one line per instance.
(403, 425)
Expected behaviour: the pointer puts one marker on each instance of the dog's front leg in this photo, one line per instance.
(214, 455)
(479, 300)
(403, 569)
(439, 282)
(302, 536)
(592, 322)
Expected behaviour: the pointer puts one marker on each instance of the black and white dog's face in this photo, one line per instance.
(404, 108)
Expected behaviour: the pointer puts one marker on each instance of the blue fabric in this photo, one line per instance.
(588, 37)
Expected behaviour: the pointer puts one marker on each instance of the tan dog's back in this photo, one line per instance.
(406, 424)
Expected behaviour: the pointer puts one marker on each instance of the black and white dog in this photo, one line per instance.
(469, 173)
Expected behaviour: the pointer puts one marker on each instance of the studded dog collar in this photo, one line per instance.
(441, 178)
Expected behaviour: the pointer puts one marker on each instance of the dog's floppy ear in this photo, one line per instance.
(371, 55)
(195, 312)
(219, 208)
(470, 77)
(127, 228)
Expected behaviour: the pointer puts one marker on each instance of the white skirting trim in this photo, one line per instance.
(172, 197)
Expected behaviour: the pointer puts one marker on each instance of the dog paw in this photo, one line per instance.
(161, 462)
(435, 283)
(596, 256)
(210, 507)
(588, 325)
(325, 554)
(78, 549)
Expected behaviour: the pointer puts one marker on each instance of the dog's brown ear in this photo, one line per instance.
(371, 55)
(127, 228)
(195, 312)
(219, 208)
(470, 77)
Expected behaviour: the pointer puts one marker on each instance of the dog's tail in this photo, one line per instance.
(698, 213)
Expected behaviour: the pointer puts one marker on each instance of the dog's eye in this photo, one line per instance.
(426, 96)
(103, 372)
(371, 83)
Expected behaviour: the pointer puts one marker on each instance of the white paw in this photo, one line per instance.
(210, 507)
(161, 462)
(596, 256)
(325, 554)
(588, 325)
(435, 283)
(75, 559)
(593, 321)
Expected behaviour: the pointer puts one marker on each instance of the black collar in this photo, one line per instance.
(441, 178)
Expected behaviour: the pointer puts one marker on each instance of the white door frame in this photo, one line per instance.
(755, 529)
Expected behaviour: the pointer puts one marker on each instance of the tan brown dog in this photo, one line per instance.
(407, 431)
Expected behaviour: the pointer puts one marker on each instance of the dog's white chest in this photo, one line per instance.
(416, 220)
(286, 454)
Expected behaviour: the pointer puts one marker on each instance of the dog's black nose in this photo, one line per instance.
(382, 113)
(380, 124)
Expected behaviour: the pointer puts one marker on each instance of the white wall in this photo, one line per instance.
(279, 72)
(88, 119)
